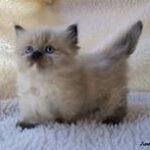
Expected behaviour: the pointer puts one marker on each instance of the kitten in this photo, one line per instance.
(55, 83)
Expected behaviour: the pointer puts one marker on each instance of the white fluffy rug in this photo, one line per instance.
(85, 135)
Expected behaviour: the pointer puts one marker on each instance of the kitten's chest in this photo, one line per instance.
(55, 86)
(47, 85)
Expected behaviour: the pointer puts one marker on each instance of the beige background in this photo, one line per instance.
(99, 22)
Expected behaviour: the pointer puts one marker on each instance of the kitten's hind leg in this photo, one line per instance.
(117, 116)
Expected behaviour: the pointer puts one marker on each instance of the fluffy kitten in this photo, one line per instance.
(54, 83)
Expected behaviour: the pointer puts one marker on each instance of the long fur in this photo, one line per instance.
(66, 86)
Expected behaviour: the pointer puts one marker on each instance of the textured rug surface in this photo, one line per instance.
(132, 134)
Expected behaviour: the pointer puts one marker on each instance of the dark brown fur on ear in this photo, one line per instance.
(18, 29)
(72, 33)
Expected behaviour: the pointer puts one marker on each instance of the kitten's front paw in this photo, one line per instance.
(25, 125)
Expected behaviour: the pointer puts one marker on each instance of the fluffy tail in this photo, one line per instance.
(126, 44)
(118, 51)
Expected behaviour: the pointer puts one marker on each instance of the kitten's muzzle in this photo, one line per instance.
(36, 55)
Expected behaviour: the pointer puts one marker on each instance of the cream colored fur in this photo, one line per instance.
(72, 86)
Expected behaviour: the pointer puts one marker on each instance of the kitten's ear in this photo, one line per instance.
(72, 33)
(126, 44)
(18, 29)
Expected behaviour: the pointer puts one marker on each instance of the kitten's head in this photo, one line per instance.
(45, 47)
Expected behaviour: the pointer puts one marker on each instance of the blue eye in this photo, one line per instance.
(29, 49)
(49, 50)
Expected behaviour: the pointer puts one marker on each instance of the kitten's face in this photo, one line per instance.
(45, 47)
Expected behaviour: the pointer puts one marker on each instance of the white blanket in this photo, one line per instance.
(132, 134)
